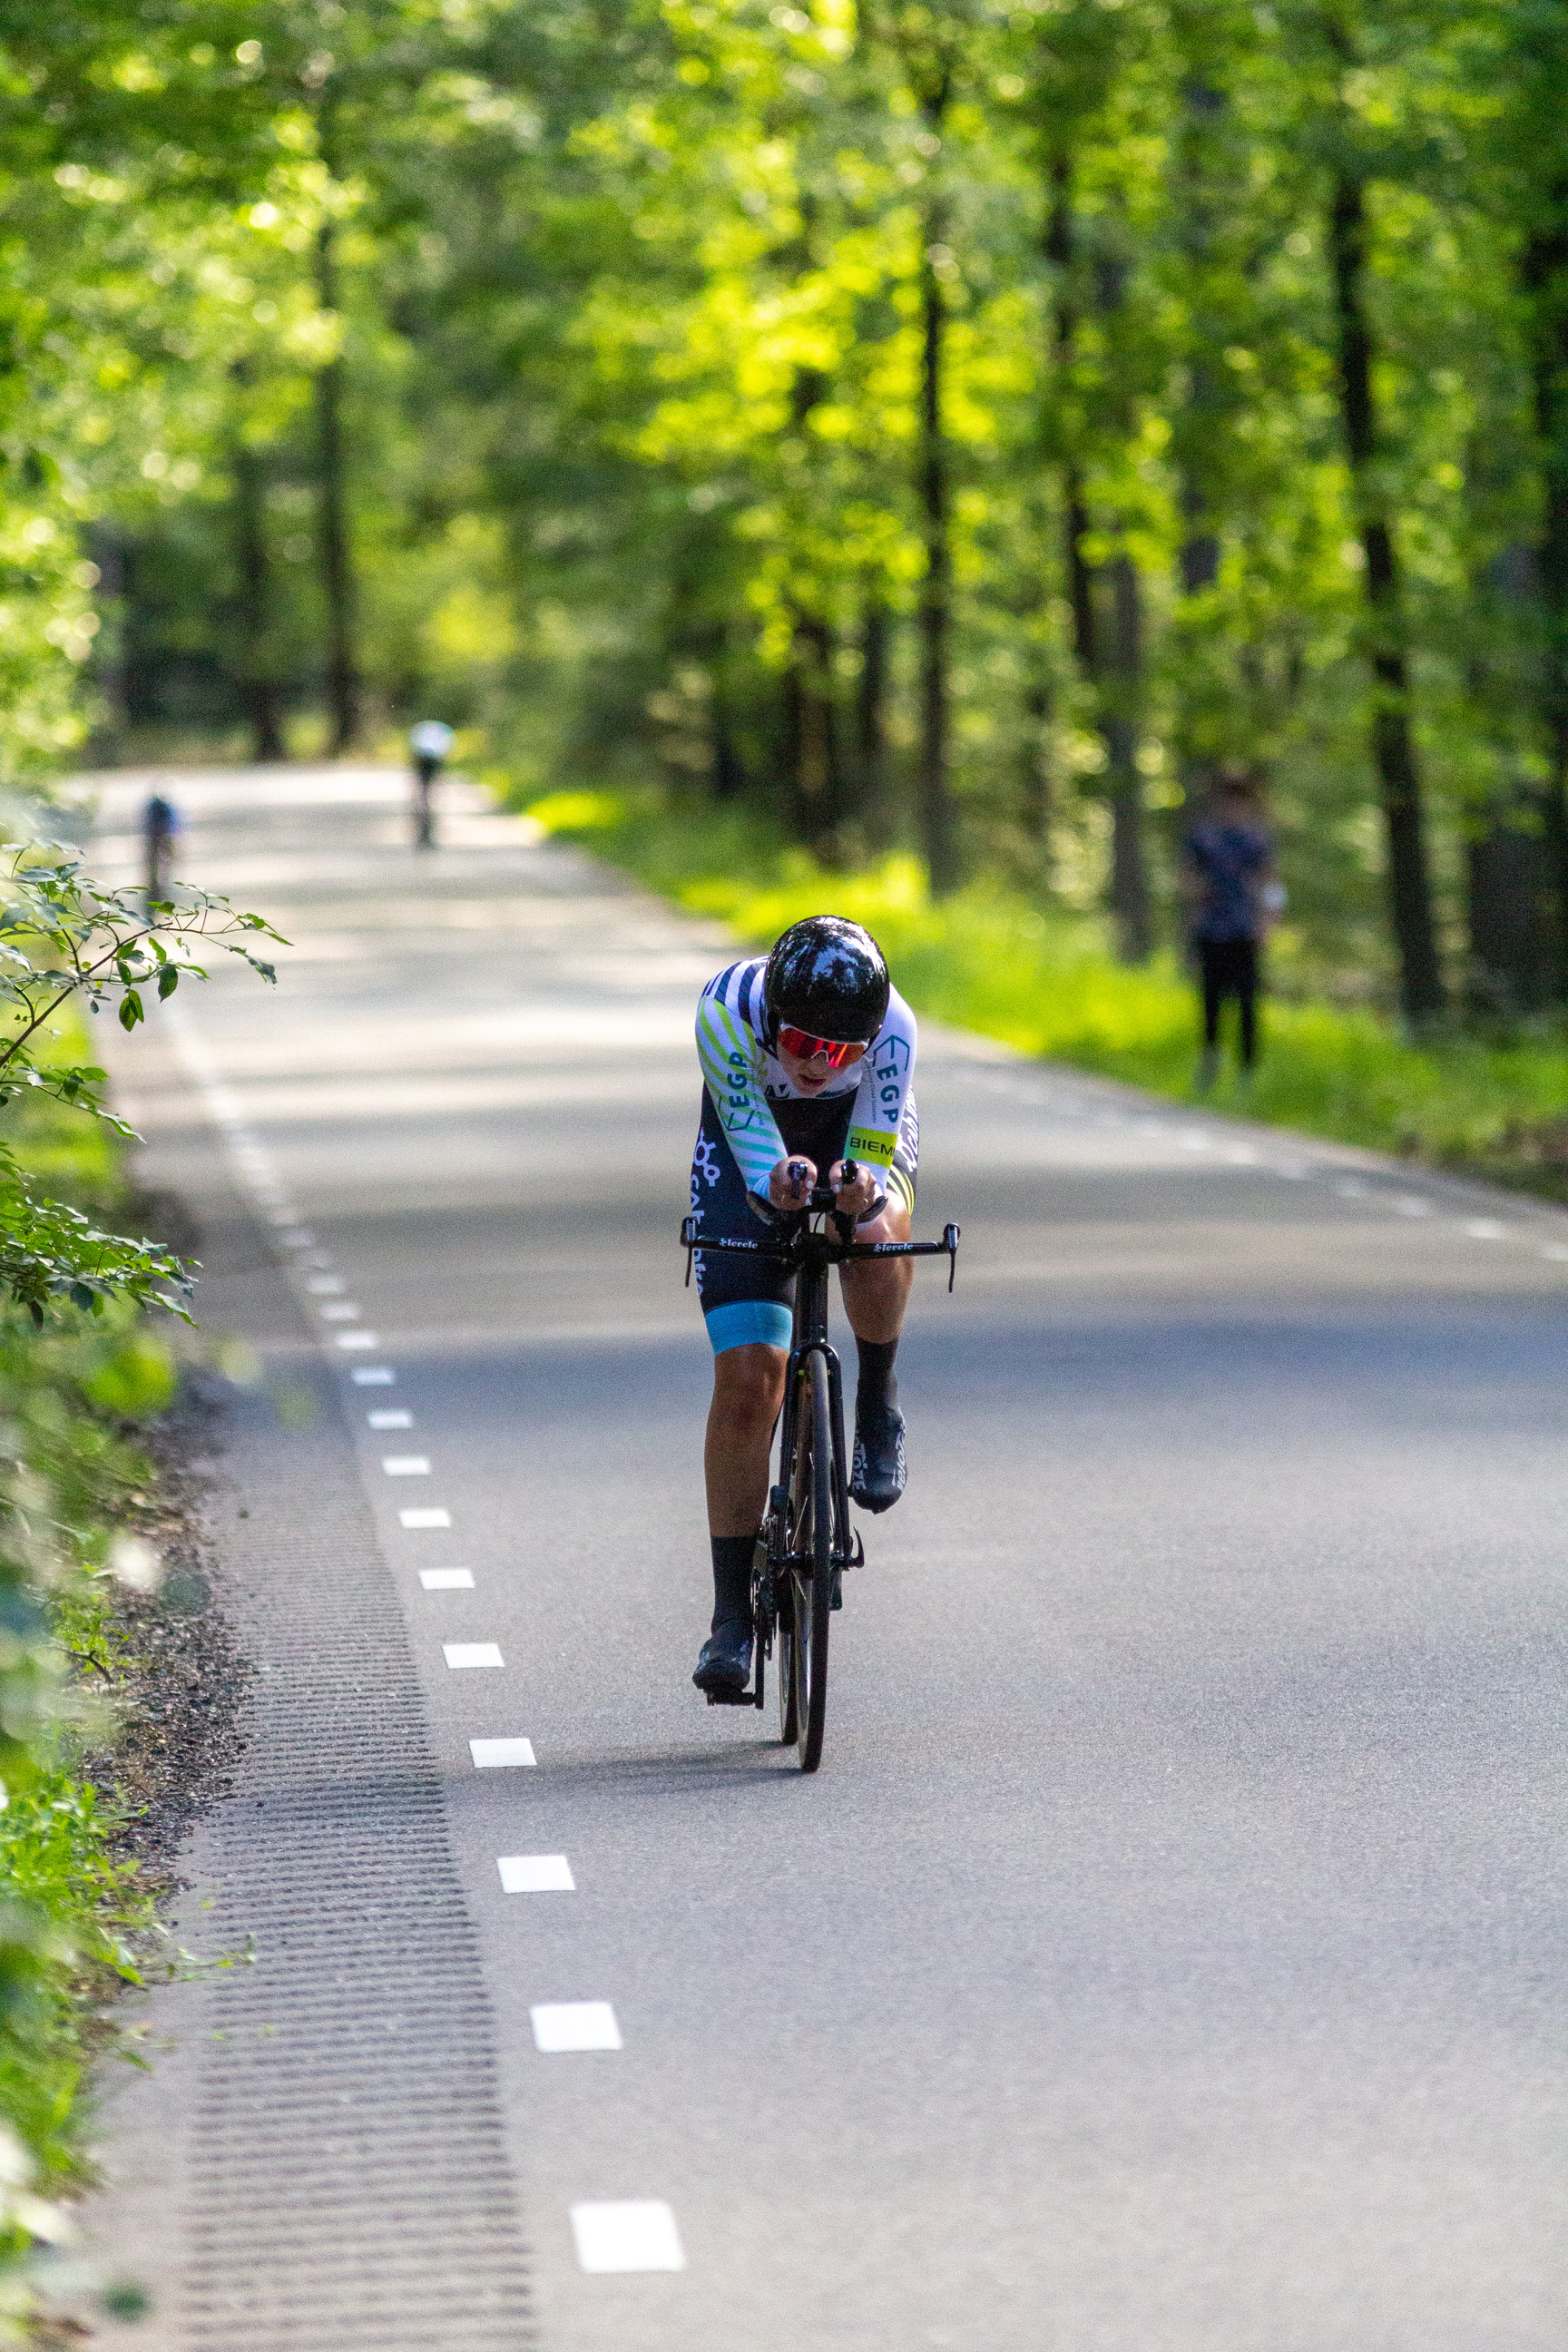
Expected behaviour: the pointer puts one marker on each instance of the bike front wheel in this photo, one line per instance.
(811, 1568)
(789, 1691)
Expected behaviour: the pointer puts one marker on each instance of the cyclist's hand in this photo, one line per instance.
(859, 1197)
(789, 1186)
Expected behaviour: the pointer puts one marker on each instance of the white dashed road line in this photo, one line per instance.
(461, 1655)
(430, 1519)
(500, 1755)
(372, 1376)
(406, 1465)
(359, 1339)
(535, 1874)
(389, 1416)
(575, 2025)
(630, 2237)
(447, 1580)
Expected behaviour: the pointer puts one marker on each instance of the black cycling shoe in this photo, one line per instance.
(877, 1476)
(724, 1664)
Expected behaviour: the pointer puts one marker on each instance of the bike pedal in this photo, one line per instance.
(732, 1698)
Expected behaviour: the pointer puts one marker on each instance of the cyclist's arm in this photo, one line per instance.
(727, 1053)
(886, 1076)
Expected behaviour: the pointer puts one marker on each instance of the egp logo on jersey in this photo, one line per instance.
(743, 1113)
(890, 1073)
(876, 1139)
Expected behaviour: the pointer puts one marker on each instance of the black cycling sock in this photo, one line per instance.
(878, 1383)
(732, 1579)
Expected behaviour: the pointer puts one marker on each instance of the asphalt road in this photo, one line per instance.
(1162, 1959)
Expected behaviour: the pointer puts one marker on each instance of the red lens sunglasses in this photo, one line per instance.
(805, 1048)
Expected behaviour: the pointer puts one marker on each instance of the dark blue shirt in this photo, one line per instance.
(1231, 858)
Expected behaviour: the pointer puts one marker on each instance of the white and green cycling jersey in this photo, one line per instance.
(745, 1081)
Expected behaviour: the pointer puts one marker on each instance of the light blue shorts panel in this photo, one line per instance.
(750, 1323)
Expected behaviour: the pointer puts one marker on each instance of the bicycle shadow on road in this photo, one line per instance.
(675, 1770)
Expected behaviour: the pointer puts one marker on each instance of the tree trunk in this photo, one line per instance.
(1199, 422)
(729, 769)
(1130, 901)
(1037, 796)
(1544, 275)
(111, 648)
(1511, 901)
(338, 589)
(1059, 244)
(871, 712)
(816, 770)
(1509, 973)
(1392, 743)
(938, 834)
(258, 685)
(1202, 106)
(1110, 661)
(816, 767)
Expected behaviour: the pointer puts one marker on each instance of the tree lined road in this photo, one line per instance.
(1160, 1961)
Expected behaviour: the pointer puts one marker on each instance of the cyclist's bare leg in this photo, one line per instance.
(747, 1390)
(876, 1293)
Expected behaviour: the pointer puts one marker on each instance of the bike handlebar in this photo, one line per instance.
(692, 1240)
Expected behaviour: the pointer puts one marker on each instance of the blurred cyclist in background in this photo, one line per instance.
(160, 830)
(430, 743)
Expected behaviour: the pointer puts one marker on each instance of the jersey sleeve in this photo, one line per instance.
(727, 1051)
(886, 1076)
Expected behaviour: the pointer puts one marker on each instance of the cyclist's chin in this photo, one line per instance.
(810, 1086)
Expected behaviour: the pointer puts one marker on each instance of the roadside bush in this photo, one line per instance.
(78, 1371)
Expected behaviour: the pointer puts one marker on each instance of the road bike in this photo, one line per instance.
(805, 1542)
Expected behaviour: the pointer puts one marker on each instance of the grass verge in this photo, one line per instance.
(1045, 982)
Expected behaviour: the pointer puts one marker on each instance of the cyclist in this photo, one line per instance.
(160, 831)
(429, 741)
(807, 1056)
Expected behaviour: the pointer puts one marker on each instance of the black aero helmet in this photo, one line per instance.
(829, 977)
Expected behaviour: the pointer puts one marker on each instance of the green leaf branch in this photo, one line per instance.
(62, 937)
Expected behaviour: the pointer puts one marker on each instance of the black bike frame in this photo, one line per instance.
(807, 1251)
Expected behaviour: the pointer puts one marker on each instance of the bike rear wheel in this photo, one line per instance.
(811, 1575)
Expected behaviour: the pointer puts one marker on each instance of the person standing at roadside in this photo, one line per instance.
(1229, 884)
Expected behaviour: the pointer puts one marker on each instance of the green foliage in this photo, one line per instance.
(74, 1367)
(66, 941)
(76, 1913)
(626, 305)
(75, 1921)
(989, 961)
